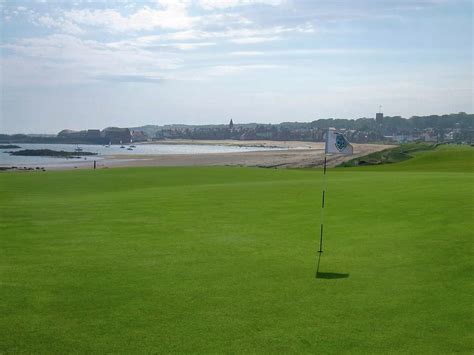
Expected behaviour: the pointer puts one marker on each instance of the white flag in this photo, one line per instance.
(336, 143)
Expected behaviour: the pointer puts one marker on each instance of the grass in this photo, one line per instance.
(389, 156)
(223, 259)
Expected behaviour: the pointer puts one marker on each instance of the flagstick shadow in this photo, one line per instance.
(329, 275)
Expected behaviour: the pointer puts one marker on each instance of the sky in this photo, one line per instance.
(94, 64)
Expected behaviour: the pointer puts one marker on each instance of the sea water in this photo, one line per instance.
(7, 160)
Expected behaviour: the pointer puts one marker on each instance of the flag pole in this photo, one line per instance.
(322, 204)
(335, 143)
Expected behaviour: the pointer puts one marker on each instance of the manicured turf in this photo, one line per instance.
(224, 259)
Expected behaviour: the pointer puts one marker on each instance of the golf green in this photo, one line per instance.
(222, 259)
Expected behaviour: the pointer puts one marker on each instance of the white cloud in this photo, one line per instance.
(175, 4)
(192, 45)
(65, 25)
(145, 19)
(247, 53)
(221, 70)
(153, 42)
(253, 40)
(66, 59)
(236, 35)
(224, 4)
(316, 51)
(171, 16)
(259, 35)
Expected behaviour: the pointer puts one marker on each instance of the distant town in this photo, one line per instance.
(456, 128)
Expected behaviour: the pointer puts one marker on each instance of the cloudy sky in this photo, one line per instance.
(83, 64)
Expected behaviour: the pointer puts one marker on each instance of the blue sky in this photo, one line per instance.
(83, 64)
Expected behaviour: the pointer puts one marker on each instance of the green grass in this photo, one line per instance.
(389, 156)
(223, 259)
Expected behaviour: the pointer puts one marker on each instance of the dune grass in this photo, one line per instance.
(444, 158)
(389, 156)
(224, 259)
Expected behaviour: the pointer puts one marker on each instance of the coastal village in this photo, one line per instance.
(455, 128)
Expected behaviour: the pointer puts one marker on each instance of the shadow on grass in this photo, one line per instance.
(329, 275)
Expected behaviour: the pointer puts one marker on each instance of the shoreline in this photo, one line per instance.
(290, 154)
(243, 143)
(290, 158)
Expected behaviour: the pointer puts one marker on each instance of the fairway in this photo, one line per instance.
(223, 259)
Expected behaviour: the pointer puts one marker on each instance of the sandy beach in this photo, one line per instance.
(296, 155)
(238, 143)
(280, 154)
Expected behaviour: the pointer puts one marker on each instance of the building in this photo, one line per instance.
(379, 117)
(93, 134)
(139, 136)
(117, 135)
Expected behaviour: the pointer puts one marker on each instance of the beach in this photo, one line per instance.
(290, 154)
(266, 154)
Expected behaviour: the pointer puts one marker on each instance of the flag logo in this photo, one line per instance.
(337, 143)
(341, 142)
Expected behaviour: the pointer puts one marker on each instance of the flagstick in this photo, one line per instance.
(319, 262)
(322, 204)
